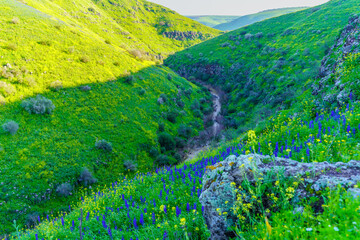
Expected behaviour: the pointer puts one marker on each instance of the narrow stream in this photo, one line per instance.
(215, 128)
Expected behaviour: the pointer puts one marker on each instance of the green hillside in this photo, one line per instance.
(95, 61)
(213, 20)
(291, 90)
(264, 67)
(253, 18)
(170, 208)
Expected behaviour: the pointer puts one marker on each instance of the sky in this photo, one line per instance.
(231, 7)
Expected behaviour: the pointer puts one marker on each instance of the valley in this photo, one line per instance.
(122, 119)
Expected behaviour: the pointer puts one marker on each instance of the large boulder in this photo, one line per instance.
(221, 181)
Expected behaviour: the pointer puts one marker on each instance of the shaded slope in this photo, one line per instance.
(253, 18)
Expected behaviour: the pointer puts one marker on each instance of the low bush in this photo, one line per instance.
(130, 165)
(38, 105)
(64, 189)
(104, 145)
(129, 79)
(166, 141)
(86, 178)
(11, 127)
(184, 131)
(163, 160)
(171, 117)
(85, 88)
(85, 59)
(56, 86)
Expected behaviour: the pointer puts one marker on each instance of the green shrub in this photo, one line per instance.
(163, 160)
(184, 131)
(142, 92)
(38, 105)
(129, 79)
(180, 143)
(195, 105)
(154, 152)
(167, 141)
(56, 86)
(161, 127)
(171, 117)
(86, 178)
(64, 189)
(85, 59)
(104, 145)
(130, 165)
(11, 127)
(85, 88)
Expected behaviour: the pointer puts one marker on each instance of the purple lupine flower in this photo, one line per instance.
(36, 236)
(308, 152)
(87, 216)
(178, 211)
(104, 222)
(188, 207)
(154, 219)
(142, 219)
(165, 235)
(110, 233)
(135, 224)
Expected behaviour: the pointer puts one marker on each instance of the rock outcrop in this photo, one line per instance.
(329, 86)
(221, 180)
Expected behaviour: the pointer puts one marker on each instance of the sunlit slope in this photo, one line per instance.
(96, 62)
(265, 66)
(83, 42)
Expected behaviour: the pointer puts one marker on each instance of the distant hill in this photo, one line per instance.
(213, 20)
(253, 18)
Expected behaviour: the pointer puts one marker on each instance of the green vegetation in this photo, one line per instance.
(213, 20)
(253, 18)
(79, 90)
(264, 67)
(90, 124)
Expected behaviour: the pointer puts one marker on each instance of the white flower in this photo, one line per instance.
(354, 223)
(336, 229)
(308, 229)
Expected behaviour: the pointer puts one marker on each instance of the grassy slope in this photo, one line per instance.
(178, 188)
(296, 132)
(213, 20)
(253, 18)
(80, 43)
(267, 73)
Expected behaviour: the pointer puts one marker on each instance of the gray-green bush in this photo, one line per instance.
(104, 145)
(38, 105)
(11, 127)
